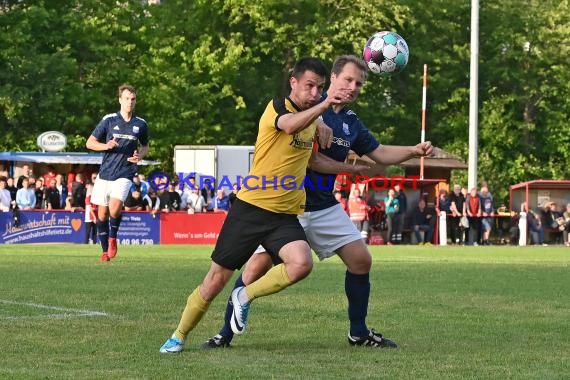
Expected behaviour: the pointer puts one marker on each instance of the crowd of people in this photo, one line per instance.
(472, 218)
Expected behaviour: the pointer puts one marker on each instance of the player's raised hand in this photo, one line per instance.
(337, 96)
(111, 144)
(424, 149)
(134, 158)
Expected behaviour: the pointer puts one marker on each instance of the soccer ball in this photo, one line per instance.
(386, 53)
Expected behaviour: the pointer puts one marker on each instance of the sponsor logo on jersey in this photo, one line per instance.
(341, 142)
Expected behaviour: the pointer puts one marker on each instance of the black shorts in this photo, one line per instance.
(246, 227)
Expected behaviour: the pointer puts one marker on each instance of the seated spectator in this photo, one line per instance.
(5, 198)
(196, 202)
(421, 221)
(134, 201)
(78, 191)
(554, 221)
(52, 197)
(535, 227)
(25, 197)
(221, 202)
(152, 202)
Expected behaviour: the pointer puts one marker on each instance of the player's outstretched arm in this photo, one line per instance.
(326, 165)
(395, 154)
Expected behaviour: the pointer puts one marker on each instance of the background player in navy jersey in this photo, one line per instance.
(328, 228)
(117, 135)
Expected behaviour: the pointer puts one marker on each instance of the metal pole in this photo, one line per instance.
(473, 96)
(423, 135)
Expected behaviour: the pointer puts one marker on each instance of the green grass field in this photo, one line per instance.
(456, 312)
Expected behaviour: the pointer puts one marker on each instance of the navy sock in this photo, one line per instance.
(103, 233)
(114, 226)
(357, 288)
(226, 331)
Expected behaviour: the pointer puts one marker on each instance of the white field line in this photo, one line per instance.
(67, 312)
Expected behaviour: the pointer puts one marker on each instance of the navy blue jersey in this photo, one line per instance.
(349, 133)
(128, 135)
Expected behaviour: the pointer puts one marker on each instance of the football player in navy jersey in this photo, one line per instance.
(328, 228)
(118, 136)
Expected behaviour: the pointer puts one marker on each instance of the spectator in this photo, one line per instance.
(11, 188)
(78, 191)
(68, 203)
(152, 202)
(90, 216)
(221, 202)
(26, 173)
(565, 233)
(401, 213)
(5, 197)
(25, 197)
(174, 199)
(233, 194)
(554, 220)
(473, 209)
(536, 228)
(134, 201)
(358, 212)
(342, 200)
(94, 177)
(49, 175)
(457, 208)
(422, 222)
(39, 191)
(392, 207)
(62, 189)
(52, 196)
(196, 202)
(142, 187)
(208, 193)
(444, 204)
(486, 204)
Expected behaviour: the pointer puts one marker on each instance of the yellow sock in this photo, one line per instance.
(195, 308)
(275, 280)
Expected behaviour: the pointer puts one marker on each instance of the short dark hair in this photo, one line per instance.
(342, 60)
(128, 87)
(309, 64)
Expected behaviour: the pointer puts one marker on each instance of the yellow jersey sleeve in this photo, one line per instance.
(275, 181)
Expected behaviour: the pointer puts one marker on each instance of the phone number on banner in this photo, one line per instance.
(136, 241)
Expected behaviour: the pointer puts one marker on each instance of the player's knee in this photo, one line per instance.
(300, 269)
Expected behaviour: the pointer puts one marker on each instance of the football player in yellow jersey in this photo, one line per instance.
(265, 211)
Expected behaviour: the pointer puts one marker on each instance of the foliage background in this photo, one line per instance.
(204, 71)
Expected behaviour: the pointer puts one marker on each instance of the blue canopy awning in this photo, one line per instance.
(59, 158)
